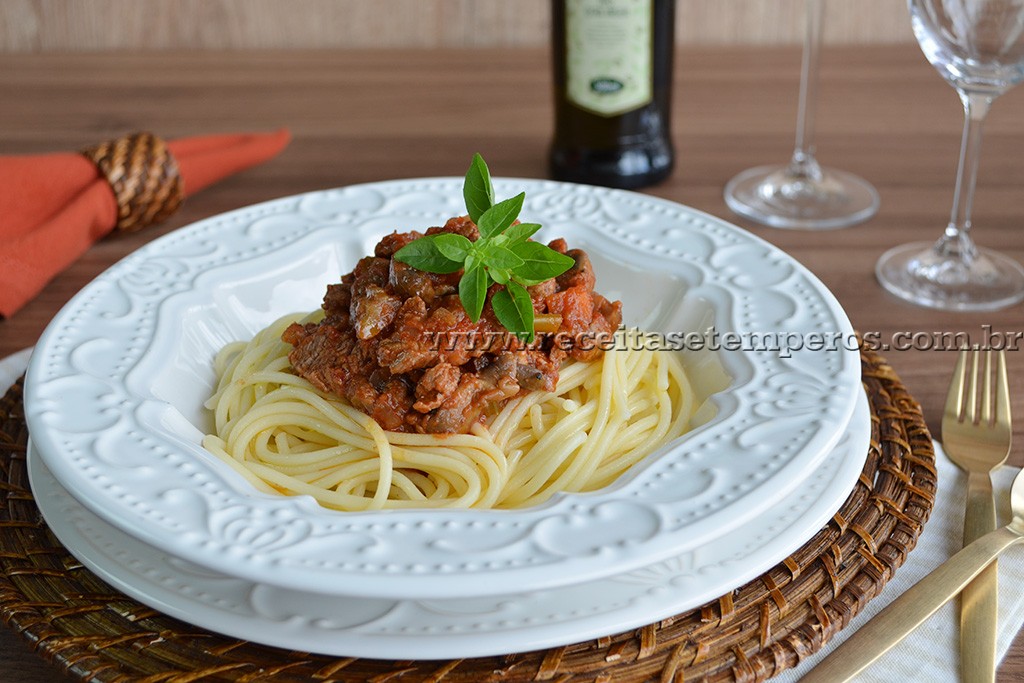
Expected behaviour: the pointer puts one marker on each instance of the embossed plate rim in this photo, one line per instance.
(82, 461)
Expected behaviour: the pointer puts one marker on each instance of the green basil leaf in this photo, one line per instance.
(477, 189)
(520, 232)
(495, 219)
(452, 246)
(514, 310)
(499, 275)
(500, 257)
(540, 262)
(473, 291)
(423, 254)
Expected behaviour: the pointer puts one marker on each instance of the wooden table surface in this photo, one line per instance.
(366, 116)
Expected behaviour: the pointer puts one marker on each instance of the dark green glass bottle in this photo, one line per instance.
(613, 91)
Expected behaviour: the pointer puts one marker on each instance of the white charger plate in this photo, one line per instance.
(115, 389)
(452, 628)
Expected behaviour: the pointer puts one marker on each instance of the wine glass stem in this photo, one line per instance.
(804, 164)
(956, 241)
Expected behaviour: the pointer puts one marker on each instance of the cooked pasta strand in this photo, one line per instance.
(283, 435)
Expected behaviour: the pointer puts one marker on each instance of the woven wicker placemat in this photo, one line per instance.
(762, 628)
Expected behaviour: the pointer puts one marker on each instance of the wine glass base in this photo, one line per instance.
(774, 196)
(920, 275)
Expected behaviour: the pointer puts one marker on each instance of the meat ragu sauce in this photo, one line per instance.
(398, 345)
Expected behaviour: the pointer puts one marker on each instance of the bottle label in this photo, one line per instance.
(608, 54)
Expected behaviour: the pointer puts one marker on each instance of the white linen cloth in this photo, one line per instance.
(12, 367)
(931, 653)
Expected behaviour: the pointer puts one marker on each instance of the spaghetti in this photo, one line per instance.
(284, 435)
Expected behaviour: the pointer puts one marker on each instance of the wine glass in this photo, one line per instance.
(978, 47)
(802, 194)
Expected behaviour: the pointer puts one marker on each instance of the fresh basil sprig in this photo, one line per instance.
(503, 255)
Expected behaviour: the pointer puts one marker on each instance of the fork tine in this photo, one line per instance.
(971, 393)
(955, 396)
(1002, 392)
(986, 392)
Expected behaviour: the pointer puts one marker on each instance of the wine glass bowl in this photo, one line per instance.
(973, 45)
(978, 47)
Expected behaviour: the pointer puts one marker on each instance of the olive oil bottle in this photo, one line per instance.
(613, 85)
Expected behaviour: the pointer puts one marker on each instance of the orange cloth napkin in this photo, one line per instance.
(54, 206)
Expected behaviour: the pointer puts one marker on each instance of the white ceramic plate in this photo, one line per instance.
(116, 385)
(453, 628)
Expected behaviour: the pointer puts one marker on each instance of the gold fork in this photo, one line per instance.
(977, 438)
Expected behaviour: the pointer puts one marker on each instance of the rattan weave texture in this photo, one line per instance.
(762, 628)
(144, 177)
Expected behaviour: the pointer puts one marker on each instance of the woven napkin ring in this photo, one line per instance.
(144, 177)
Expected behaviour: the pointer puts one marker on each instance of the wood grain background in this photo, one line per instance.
(95, 25)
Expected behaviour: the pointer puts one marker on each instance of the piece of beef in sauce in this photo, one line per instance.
(396, 343)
